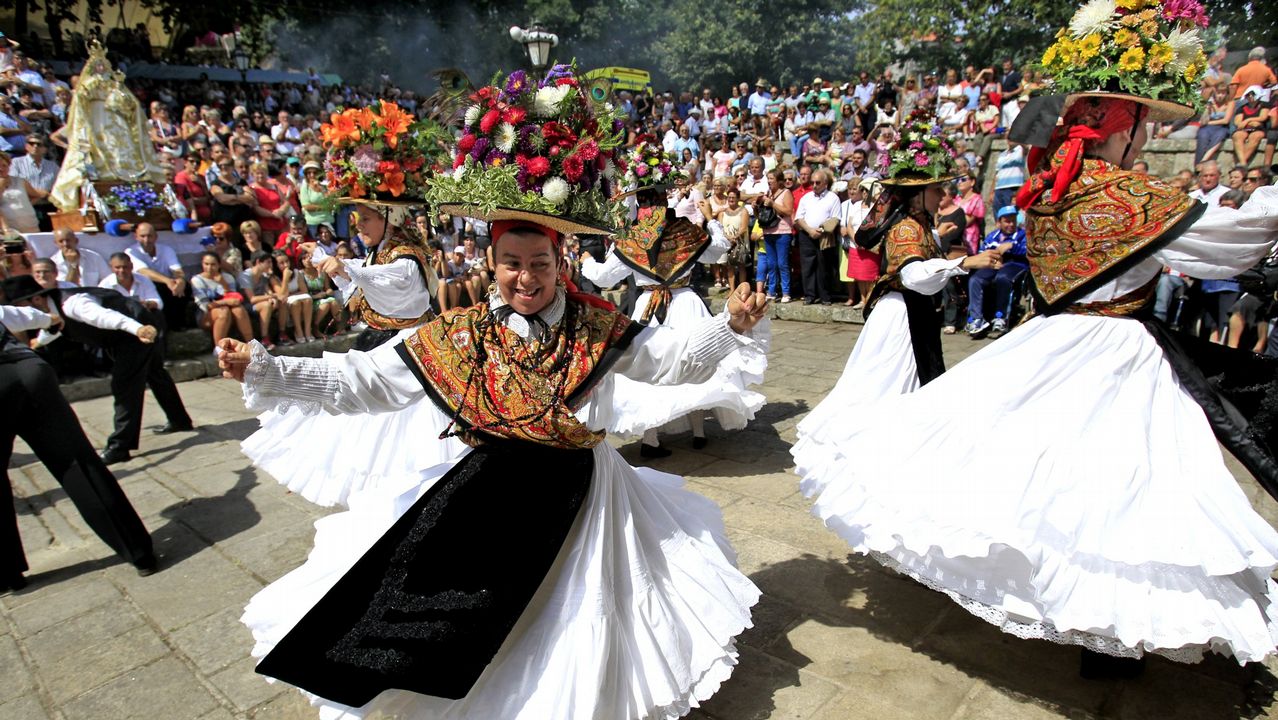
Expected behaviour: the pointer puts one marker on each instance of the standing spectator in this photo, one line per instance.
(774, 261)
(863, 95)
(231, 201)
(814, 210)
(1209, 187)
(128, 283)
(1009, 174)
(1012, 91)
(1213, 127)
(165, 136)
(755, 185)
(1255, 73)
(1250, 123)
(736, 222)
(950, 226)
(75, 265)
(974, 209)
(160, 264)
(39, 173)
(13, 128)
(859, 268)
(285, 133)
(269, 204)
(685, 142)
(218, 300)
(757, 104)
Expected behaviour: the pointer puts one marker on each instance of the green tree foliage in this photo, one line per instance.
(1243, 24)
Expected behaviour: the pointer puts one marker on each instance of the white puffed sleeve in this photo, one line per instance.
(605, 274)
(396, 289)
(929, 276)
(1226, 241)
(338, 383)
(663, 355)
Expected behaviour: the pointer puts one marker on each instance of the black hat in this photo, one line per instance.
(20, 287)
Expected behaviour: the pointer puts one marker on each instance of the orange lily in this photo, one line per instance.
(392, 182)
(395, 121)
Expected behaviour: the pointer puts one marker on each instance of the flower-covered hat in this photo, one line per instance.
(1147, 51)
(647, 167)
(921, 155)
(541, 150)
(382, 155)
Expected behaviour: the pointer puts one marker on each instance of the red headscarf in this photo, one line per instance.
(1088, 119)
(497, 228)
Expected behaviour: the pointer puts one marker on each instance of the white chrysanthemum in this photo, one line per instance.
(506, 137)
(459, 173)
(630, 178)
(1096, 16)
(472, 115)
(555, 190)
(548, 98)
(610, 169)
(1186, 46)
(657, 174)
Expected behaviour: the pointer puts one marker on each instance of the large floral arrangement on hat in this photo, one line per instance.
(541, 145)
(922, 151)
(382, 152)
(1150, 48)
(647, 165)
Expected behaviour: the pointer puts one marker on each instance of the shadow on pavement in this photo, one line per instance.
(198, 523)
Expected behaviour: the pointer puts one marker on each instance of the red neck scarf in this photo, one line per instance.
(1088, 120)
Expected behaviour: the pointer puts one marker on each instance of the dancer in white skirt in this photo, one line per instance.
(539, 577)
(899, 347)
(1065, 482)
(659, 250)
(323, 457)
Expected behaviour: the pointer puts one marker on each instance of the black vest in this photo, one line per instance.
(11, 349)
(112, 300)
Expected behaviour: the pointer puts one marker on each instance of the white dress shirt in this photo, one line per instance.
(89, 310)
(396, 289)
(93, 268)
(21, 319)
(165, 261)
(815, 209)
(143, 289)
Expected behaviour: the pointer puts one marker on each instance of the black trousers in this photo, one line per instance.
(812, 265)
(137, 367)
(175, 308)
(36, 411)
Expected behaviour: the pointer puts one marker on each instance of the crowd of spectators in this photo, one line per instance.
(789, 172)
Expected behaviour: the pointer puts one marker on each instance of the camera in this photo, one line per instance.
(15, 246)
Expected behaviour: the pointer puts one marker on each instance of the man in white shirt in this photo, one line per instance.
(123, 280)
(755, 184)
(286, 135)
(160, 264)
(815, 209)
(669, 138)
(1209, 187)
(75, 265)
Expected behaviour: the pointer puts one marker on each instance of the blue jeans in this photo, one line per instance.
(796, 146)
(1170, 288)
(1004, 280)
(776, 263)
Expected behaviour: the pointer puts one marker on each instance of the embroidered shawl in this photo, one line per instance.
(659, 246)
(906, 242)
(1108, 220)
(493, 382)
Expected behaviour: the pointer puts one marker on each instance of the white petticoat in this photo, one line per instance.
(881, 364)
(639, 406)
(636, 618)
(1060, 484)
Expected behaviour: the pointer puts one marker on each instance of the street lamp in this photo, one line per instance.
(242, 61)
(537, 42)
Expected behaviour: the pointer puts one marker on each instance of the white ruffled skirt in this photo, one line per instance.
(639, 406)
(636, 618)
(1062, 485)
(881, 365)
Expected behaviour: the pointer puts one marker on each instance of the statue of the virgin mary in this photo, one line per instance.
(106, 134)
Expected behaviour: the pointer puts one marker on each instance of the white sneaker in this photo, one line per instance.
(999, 326)
(978, 326)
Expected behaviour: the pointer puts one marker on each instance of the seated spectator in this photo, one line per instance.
(218, 300)
(1251, 123)
(291, 241)
(259, 286)
(13, 129)
(950, 224)
(327, 239)
(221, 241)
(126, 282)
(325, 313)
(1255, 178)
(1009, 174)
(159, 263)
(76, 265)
(251, 235)
(292, 291)
(1009, 240)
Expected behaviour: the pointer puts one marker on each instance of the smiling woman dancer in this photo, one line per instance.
(624, 601)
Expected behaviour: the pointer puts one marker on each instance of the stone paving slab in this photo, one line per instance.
(835, 636)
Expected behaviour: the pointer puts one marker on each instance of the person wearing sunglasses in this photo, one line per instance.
(39, 173)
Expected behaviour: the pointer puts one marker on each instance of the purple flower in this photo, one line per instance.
(525, 134)
(556, 71)
(496, 157)
(481, 146)
(916, 146)
(365, 159)
(516, 84)
(883, 160)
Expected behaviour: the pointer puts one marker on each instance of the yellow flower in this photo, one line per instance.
(1132, 60)
(1089, 46)
(1162, 52)
(1149, 28)
(1191, 72)
(1154, 66)
(1131, 20)
(1125, 38)
(1147, 15)
(1131, 4)
(1049, 55)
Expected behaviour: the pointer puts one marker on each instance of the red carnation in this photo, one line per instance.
(566, 81)
(466, 143)
(387, 166)
(459, 160)
(589, 150)
(514, 115)
(538, 166)
(414, 163)
(556, 133)
(573, 167)
(490, 119)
